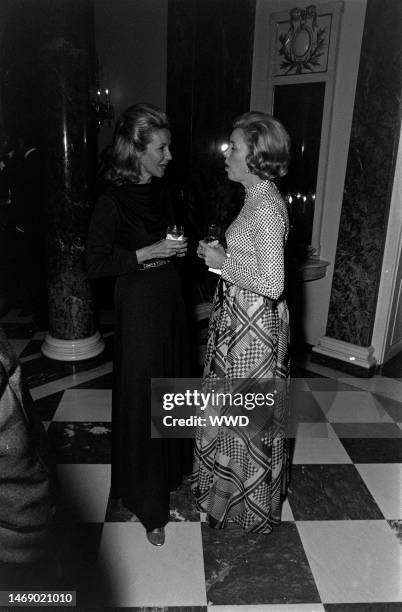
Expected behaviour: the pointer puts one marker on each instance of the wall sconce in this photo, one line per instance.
(101, 105)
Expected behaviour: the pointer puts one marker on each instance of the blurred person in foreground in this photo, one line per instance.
(27, 497)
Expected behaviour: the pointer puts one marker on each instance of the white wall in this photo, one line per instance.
(131, 44)
(317, 293)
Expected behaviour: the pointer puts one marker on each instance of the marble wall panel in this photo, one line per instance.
(369, 176)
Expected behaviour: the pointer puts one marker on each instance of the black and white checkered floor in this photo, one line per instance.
(338, 548)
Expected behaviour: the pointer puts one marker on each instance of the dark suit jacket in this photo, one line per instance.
(26, 501)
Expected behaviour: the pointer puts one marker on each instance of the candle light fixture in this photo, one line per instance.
(101, 105)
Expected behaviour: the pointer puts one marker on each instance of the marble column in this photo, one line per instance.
(65, 62)
(368, 185)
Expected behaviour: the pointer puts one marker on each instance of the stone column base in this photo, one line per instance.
(350, 358)
(72, 350)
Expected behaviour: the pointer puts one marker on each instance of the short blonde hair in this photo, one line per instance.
(133, 132)
(268, 143)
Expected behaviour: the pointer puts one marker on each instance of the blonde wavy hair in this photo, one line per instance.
(268, 143)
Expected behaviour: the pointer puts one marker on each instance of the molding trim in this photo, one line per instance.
(394, 350)
(356, 358)
(313, 269)
(72, 350)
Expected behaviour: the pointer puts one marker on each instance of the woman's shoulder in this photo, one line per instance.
(106, 204)
(267, 199)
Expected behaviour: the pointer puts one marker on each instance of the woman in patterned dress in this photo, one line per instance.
(240, 477)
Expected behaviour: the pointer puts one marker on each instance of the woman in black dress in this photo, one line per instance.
(127, 240)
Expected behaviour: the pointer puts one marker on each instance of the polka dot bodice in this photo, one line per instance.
(256, 241)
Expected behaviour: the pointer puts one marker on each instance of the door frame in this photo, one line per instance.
(390, 288)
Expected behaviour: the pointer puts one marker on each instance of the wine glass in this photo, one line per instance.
(211, 234)
(175, 232)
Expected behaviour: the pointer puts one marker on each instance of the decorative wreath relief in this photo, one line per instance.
(304, 43)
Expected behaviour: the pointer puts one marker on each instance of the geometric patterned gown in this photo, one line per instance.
(240, 474)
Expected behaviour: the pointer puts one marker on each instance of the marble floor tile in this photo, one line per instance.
(181, 508)
(304, 408)
(330, 492)
(71, 380)
(78, 549)
(30, 357)
(367, 430)
(351, 407)
(360, 561)
(322, 431)
(80, 442)
(18, 331)
(145, 575)
(18, 345)
(384, 481)
(39, 335)
(182, 504)
(374, 450)
(364, 607)
(45, 407)
(33, 347)
(299, 383)
(256, 569)
(396, 527)
(381, 385)
(43, 370)
(85, 490)
(309, 607)
(287, 514)
(325, 371)
(330, 385)
(318, 443)
(85, 405)
(393, 407)
(116, 512)
(300, 366)
(103, 382)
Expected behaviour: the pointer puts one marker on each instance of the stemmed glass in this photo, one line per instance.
(212, 238)
(211, 234)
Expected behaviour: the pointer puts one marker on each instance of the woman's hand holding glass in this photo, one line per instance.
(163, 249)
(212, 253)
(176, 232)
(170, 247)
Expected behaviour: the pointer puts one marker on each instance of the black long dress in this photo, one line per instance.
(150, 341)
